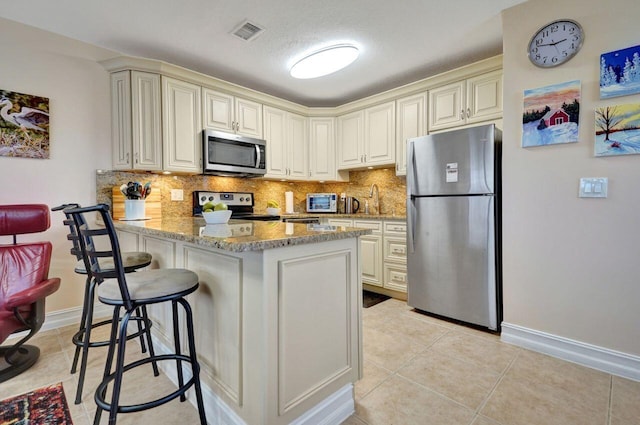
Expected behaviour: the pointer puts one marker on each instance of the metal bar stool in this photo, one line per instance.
(82, 339)
(128, 292)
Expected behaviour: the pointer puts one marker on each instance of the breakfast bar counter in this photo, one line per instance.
(277, 314)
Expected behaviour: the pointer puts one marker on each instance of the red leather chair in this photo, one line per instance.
(24, 284)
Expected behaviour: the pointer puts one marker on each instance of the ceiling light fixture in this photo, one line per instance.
(325, 61)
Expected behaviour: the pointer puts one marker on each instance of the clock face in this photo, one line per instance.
(555, 43)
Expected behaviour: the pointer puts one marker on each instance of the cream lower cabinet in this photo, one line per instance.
(395, 255)
(473, 100)
(261, 318)
(384, 254)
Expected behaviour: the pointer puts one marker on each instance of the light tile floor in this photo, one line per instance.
(418, 370)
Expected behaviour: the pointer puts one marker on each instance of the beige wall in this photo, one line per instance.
(65, 71)
(571, 265)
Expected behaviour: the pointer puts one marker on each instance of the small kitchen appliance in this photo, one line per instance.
(227, 154)
(322, 202)
(453, 225)
(351, 205)
(239, 203)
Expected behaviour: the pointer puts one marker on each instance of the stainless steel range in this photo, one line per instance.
(240, 203)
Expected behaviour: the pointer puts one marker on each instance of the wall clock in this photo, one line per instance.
(555, 43)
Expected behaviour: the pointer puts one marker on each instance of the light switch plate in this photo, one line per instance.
(177, 195)
(593, 187)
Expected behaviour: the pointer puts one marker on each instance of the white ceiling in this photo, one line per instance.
(400, 41)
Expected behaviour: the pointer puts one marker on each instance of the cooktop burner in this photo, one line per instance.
(240, 204)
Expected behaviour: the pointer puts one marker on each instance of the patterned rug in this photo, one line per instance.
(44, 406)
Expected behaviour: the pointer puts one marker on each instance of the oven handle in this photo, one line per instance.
(257, 156)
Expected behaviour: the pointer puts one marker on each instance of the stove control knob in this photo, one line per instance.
(210, 198)
(248, 198)
(203, 198)
(241, 199)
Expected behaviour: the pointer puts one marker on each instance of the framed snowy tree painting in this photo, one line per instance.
(617, 130)
(620, 72)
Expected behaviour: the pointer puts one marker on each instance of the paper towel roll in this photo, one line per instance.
(288, 202)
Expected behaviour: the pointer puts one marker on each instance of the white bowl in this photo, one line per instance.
(273, 211)
(216, 217)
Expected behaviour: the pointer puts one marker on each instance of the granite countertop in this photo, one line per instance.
(239, 235)
(350, 216)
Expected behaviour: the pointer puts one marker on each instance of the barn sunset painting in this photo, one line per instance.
(551, 115)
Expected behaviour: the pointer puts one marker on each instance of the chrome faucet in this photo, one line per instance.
(376, 200)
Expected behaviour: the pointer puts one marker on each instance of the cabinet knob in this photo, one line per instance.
(462, 114)
(468, 112)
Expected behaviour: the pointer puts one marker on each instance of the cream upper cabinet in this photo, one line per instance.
(411, 121)
(351, 140)
(469, 101)
(181, 126)
(136, 129)
(298, 141)
(322, 150)
(367, 138)
(232, 114)
(287, 144)
(380, 134)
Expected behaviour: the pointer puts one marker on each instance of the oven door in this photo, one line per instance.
(231, 154)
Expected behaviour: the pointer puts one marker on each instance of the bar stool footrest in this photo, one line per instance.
(79, 336)
(102, 388)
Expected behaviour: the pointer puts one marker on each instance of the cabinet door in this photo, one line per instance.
(163, 252)
(484, 97)
(276, 137)
(146, 121)
(218, 110)
(248, 117)
(297, 136)
(322, 149)
(122, 157)
(411, 119)
(380, 136)
(445, 106)
(371, 259)
(351, 140)
(181, 126)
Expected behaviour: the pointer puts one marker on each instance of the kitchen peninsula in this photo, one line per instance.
(277, 314)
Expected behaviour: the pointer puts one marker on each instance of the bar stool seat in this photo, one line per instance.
(129, 292)
(148, 286)
(132, 261)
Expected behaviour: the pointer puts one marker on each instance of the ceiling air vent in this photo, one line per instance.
(247, 31)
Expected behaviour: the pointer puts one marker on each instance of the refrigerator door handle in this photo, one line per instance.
(411, 214)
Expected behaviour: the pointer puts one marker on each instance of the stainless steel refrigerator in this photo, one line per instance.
(453, 225)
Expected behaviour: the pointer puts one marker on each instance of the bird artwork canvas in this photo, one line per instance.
(24, 125)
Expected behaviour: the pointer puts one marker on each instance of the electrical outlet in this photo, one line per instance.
(177, 195)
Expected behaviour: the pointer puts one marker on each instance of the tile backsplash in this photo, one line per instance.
(391, 187)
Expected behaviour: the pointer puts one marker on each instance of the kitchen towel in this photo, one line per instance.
(288, 202)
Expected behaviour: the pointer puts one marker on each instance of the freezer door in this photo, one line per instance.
(458, 162)
(451, 261)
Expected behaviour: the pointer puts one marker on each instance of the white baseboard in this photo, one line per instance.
(604, 359)
(333, 410)
(72, 316)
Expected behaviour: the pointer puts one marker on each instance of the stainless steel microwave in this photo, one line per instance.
(227, 154)
(322, 202)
